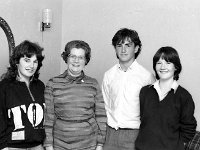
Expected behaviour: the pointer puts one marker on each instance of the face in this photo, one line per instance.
(27, 67)
(126, 52)
(165, 70)
(76, 61)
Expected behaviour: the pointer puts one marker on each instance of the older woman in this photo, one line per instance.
(75, 116)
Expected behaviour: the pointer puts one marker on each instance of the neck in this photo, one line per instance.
(27, 81)
(125, 65)
(74, 75)
(165, 85)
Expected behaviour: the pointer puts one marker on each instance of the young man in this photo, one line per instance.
(121, 87)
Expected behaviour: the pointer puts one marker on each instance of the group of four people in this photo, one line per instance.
(132, 110)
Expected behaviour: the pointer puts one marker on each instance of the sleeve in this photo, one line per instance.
(100, 115)
(105, 92)
(187, 121)
(3, 117)
(151, 79)
(49, 114)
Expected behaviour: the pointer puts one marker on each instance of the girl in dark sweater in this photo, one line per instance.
(167, 109)
(22, 100)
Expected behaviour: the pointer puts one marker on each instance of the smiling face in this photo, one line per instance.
(76, 61)
(126, 52)
(165, 70)
(27, 67)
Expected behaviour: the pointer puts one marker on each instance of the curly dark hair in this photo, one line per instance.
(77, 44)
(28, 49)
(124, 34)
(169, 54)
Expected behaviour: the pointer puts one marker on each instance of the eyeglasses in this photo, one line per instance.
(74, 57)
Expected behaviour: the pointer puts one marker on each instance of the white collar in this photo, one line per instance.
(133, 65)
(174, 85)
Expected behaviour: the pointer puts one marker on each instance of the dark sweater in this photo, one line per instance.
(166, 124)
(21, 117)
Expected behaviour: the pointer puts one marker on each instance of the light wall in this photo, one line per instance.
(23, 17)
(159, 23)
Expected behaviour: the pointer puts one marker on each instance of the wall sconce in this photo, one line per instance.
(46, 19)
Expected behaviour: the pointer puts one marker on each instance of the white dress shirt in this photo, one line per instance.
(121, 94)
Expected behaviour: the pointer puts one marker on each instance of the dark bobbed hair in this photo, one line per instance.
(127, 34)
(169, 54)
(77, 44)
(28, 49)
